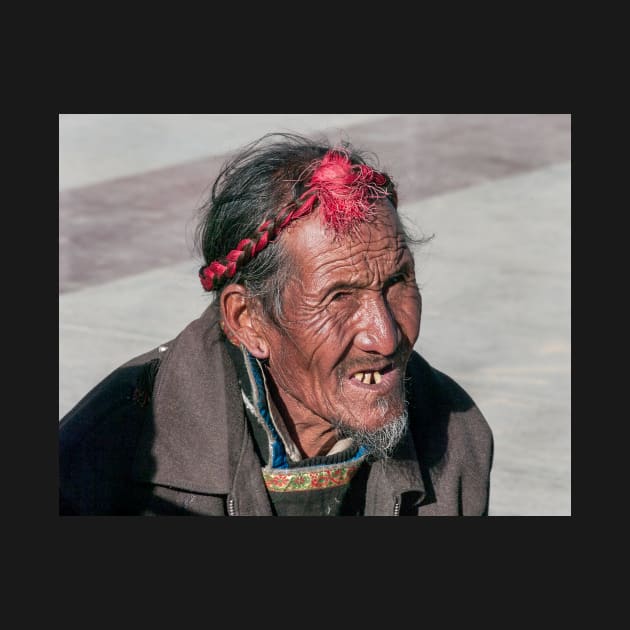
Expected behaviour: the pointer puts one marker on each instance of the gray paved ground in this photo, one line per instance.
(495, 190)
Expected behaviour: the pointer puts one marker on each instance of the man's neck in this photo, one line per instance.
(312, 434)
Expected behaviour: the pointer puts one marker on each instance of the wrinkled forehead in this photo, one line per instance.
(310, 244)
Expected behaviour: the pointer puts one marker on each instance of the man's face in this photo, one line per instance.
(351, 318)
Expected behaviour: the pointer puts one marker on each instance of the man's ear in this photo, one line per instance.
(242, 321)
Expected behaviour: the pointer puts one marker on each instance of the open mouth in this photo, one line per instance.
(372, 377)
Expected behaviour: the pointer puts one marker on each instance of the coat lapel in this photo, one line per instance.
(197, 414)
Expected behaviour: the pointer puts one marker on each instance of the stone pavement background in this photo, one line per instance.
(495, 189)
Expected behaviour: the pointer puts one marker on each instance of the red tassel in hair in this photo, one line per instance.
(345, 191)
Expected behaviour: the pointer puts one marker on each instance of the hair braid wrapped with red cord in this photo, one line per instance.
(344, 193)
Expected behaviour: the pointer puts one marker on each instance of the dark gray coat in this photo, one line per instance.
(166, 433)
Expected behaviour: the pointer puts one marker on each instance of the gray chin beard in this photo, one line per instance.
(379, 443)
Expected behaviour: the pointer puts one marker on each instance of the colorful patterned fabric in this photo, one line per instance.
(300, 479)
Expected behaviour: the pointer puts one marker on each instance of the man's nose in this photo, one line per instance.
(379, 332)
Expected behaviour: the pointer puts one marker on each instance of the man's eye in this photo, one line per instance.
(339, 295)
(400, 277)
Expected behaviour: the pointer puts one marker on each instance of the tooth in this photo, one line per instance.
(377, 377)
(368, 378)
(359, 376)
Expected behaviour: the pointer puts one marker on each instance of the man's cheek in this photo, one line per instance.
(318, 321)
(408, 315)
(320, 333)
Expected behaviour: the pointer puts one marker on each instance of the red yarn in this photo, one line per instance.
(344, 193)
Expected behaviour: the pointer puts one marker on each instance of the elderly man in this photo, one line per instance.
(297, 391)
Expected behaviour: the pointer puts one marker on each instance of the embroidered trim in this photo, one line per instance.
(317, 479)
